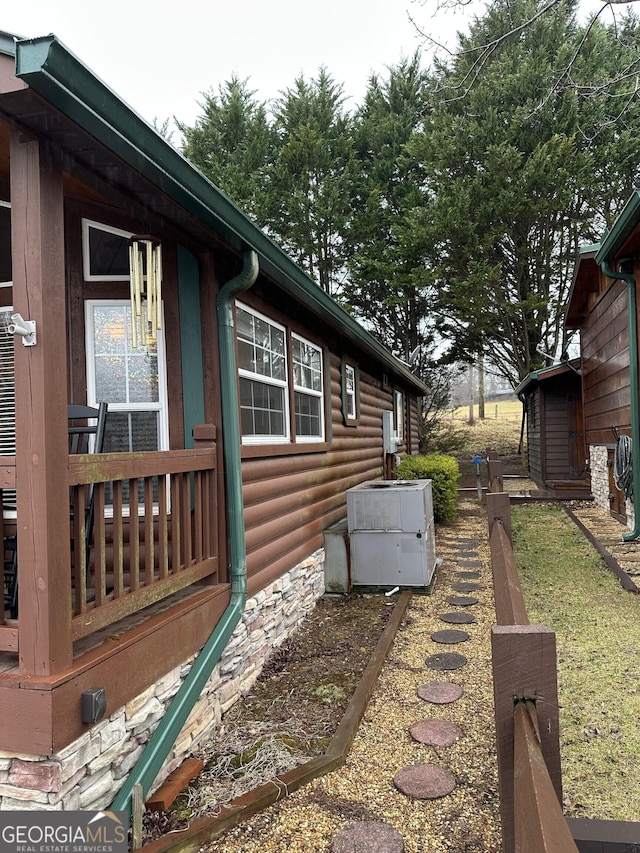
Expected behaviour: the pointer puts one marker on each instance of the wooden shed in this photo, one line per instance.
(233, 432)
(552, 399)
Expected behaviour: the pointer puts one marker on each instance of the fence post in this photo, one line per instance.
(524, 667)
(496, 478)
(499, 509)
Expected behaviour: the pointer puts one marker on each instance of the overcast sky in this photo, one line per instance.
(159, 57)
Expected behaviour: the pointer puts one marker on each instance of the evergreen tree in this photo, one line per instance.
(387, 286)
(232, 143)
(515, 181)
(309, 181)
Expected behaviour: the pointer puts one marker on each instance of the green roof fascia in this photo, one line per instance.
(7, 44)
(541, 373)
(621, 229)
(65, 82)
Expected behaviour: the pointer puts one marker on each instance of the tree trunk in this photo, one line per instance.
(471, 389)
(481, 414)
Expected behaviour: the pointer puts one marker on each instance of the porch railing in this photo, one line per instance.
(151, 539)
(154, 532)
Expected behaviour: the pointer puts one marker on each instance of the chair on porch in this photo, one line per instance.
(10, 558)
(80, 434)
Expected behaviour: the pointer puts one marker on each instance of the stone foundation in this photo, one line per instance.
(599, 475)
(600, 481)
(88, 773)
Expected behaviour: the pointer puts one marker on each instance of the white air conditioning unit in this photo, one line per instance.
(392, 533)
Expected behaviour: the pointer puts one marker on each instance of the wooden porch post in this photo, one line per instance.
(37, 245)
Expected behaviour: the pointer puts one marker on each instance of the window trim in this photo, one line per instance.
(297, 389)
(162, 405)
(255, 446)
(87, 275)
(9, 283)
(243, 373)
(398, 416)
(350, 420)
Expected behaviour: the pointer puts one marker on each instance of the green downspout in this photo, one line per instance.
(170, 726)
(630, 281)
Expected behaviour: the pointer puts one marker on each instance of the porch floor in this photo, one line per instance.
(111, 633)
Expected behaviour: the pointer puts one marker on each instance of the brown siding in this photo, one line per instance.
(290, 500)
(605, 366)
(533, 436)
(557, 437)
(413, 445)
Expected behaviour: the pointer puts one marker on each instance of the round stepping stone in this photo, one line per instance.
(449, 637)
(424, 781)
(440, 692)
(435, 732)
(461, 600)
(458, 617)
(468, 575)
(368, 836)
(465, 586)
(446, 661)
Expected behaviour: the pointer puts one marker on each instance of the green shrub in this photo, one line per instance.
(444, 473)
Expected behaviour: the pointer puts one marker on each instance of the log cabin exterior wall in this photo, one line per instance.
(605, 366)
(598, 308)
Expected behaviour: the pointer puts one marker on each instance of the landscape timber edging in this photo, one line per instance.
(205, 829)
(626, 582)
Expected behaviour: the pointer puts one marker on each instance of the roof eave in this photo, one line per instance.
(621, 230)
(60, 77)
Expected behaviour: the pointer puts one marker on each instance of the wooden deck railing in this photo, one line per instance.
(154, 532)
(153, 538)
(526, 706)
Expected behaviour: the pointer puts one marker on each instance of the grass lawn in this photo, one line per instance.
(597, 625)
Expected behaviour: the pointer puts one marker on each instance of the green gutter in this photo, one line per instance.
(621, 230)
(57, 75)
(150, 763)
(632, 321)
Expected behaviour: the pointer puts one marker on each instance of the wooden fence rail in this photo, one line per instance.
(526, 705)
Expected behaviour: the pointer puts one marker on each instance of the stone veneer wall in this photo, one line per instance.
(88, 773)
(599, 471)
(599, 475)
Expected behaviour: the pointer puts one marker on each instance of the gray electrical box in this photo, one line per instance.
(392, 533)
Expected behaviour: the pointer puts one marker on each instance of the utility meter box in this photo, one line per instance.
(392, 533)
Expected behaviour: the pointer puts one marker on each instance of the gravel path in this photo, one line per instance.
(363, 789)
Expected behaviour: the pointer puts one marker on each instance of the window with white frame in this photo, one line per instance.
(308, 385)
(262, 366)
(132, 380)
(398, 415)
(271, 364)
(105, 252)
(351, 411)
